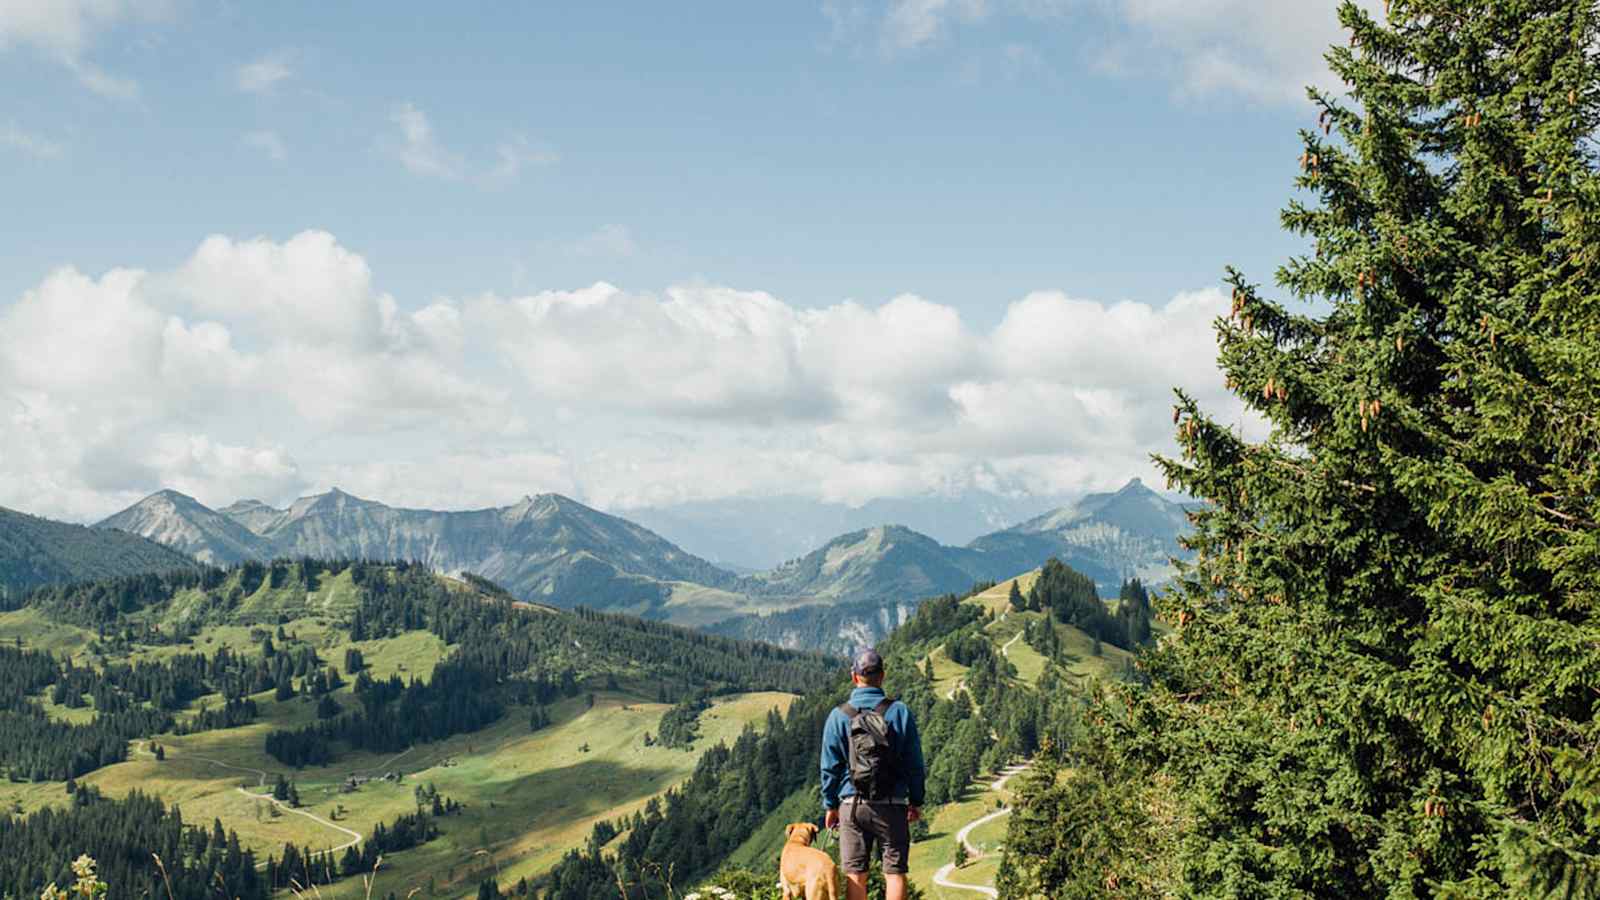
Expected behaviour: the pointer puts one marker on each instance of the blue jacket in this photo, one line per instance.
(912, 772)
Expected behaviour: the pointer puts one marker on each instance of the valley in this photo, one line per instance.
(330, 718)
(570, 745)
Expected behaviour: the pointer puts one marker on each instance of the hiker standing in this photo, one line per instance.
(872, 779)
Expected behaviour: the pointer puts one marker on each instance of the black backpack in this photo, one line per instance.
(872, 755)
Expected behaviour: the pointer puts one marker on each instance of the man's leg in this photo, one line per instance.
(896, 850)
(855, 849)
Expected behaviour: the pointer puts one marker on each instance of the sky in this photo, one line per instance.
(636, 253)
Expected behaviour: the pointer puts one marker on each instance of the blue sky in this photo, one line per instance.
(966, 152)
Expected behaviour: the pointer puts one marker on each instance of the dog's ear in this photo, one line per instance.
(788, 830)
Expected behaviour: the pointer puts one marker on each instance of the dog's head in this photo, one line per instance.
(801, 833)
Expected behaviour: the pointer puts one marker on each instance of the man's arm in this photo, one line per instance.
(833, 760)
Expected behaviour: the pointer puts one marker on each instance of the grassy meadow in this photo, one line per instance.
(527, 796)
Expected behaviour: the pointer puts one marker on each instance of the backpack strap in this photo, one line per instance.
(850, 712)
(883, 708)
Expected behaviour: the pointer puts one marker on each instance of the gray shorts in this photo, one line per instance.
(864, 825)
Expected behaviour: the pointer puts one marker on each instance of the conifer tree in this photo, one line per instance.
(1383, 675)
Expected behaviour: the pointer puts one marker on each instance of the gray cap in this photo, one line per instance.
(867, 662)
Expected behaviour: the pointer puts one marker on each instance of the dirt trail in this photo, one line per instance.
(1005, 650)
(942, 877)
(261, 782)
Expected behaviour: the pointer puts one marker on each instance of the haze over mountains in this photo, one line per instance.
(554, 549)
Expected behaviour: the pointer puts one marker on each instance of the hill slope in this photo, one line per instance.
(336, 675)
(35, 551)
(991, 688)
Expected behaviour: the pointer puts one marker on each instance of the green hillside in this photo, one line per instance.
(35, 551)
(359, 684)
(986, 702)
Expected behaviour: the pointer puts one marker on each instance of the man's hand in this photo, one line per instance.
(830, 820)
(913, 813)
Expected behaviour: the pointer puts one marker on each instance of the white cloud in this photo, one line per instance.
(512, 155)
(262, 76)
(308, 288)
(221, 473)
(418, 150)
(104, 83)
(909, 24)
(28, 143)
(65, 30)
(268, 142)
(1264, 50)
(264, 368)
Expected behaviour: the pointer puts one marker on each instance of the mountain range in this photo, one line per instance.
(556, 550)
(750, 534)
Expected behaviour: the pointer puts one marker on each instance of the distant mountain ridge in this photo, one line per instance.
(877, 563)
(183, 523)
(876, 576)
(546, 547)
(36, 551)
(1127, 533)
(755, 534)
(556, 550)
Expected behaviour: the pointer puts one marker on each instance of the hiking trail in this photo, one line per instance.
(942, 877)
(261, 782)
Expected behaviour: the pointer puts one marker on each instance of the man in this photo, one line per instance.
(874, 797)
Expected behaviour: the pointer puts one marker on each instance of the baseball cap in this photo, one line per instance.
(867, 662)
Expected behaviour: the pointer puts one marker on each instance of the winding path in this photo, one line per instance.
(355, 836)
(1005, 649)
(261, 782)
(942, 877)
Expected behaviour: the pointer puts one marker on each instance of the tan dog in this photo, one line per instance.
(803, 870)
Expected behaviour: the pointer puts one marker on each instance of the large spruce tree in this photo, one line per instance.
(1384, 672)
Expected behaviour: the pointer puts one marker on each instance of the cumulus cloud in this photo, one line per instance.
(264, 368)
(65, 30)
